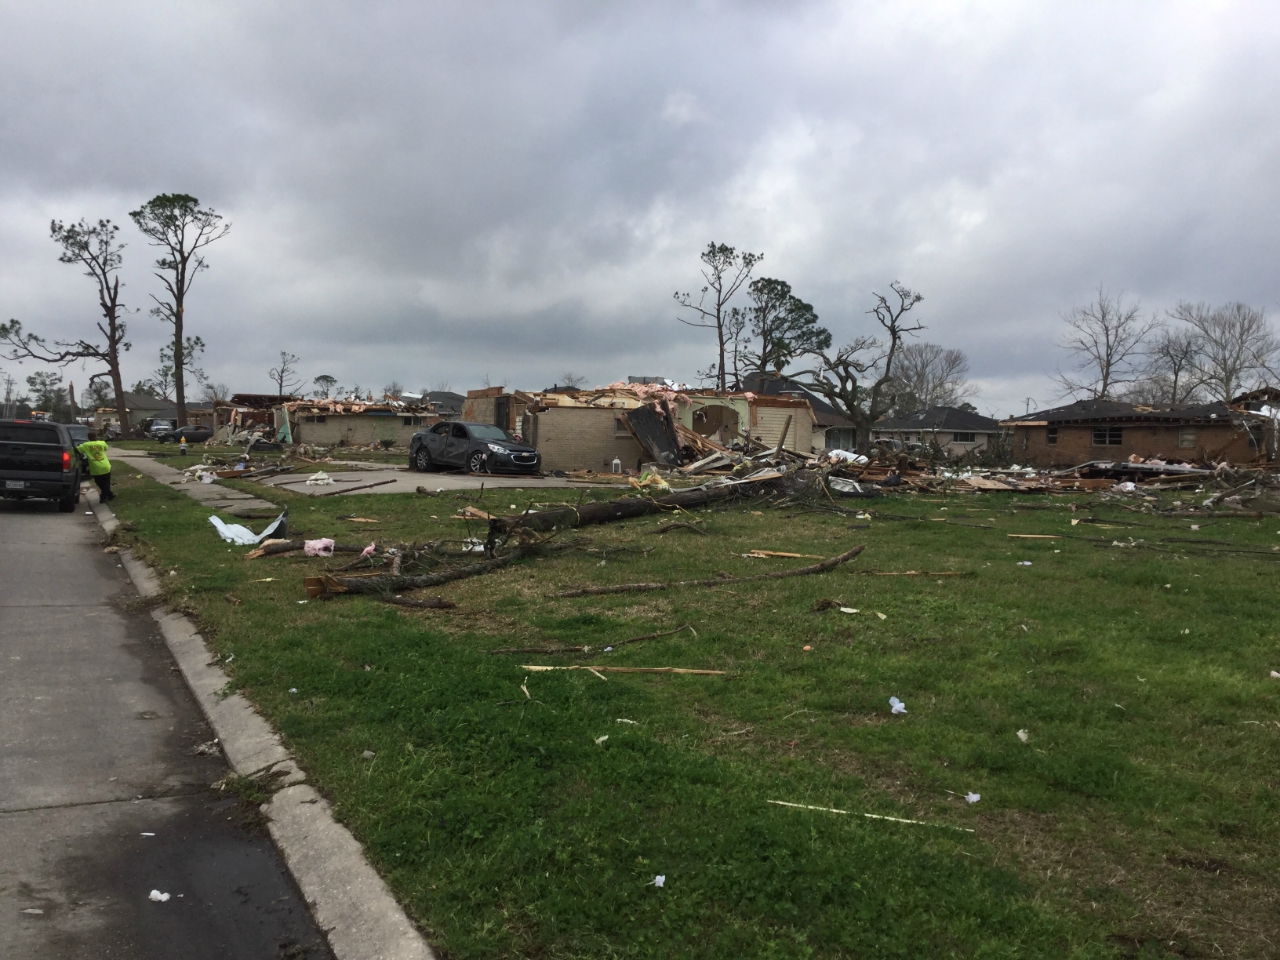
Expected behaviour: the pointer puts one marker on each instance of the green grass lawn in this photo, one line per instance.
(1139, 817)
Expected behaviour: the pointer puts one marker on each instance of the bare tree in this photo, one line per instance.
(1235, 346)
(571, 380)
(393, 390)
(725, 271)
(1105, 338)
(215, 394)
(929, 375)
(94, 247)
(1172, 371)
(285, 376)
(859, 378)
(176, 224)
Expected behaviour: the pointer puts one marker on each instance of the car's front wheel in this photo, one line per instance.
(422, 460)
(476, 462)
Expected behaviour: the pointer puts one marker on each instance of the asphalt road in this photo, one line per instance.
(102, 795)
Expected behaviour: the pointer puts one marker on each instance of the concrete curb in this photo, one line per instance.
(350, 902)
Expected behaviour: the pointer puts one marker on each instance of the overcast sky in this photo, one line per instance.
(440, 193)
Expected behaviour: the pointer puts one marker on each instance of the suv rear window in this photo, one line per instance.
(28, 433)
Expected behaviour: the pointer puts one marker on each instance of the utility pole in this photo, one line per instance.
(1029, 402)
(8, 397)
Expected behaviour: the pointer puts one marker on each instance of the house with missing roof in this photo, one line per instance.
(1110, 430)
(957, 432)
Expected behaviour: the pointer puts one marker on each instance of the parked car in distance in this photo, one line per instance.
(193, 434)
(38, 461)
(475, 447)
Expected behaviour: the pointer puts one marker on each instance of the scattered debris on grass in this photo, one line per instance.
(869, 816)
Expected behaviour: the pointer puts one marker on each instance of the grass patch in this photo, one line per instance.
(1140, 676)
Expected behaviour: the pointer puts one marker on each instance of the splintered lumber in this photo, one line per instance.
(587, 649)
(621, 508)
(678, 525)
(1033, 536)
(363, 486)
(822, 567)
(915, 573)
(771, 554)
(599, 670)
(393, 583)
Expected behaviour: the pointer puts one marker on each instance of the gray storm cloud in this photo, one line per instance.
(446, 192)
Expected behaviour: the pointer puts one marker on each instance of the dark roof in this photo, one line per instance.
(940, 418)
(259, 401)
(144, 401)
(768, 385)
(1113, 411)
(445, 399)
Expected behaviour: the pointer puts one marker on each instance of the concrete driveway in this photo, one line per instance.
(402, 480)
(103, 796)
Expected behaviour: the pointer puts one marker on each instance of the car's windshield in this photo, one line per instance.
(28, 433)
(485, 431)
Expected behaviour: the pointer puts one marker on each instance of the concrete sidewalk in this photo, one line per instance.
(103, 795)
(213, 495)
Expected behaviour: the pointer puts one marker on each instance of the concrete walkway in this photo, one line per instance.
(103, 795)
(213, 495)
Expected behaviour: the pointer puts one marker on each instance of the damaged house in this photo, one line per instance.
(352, 423)
(626, 425)
(956, 432)
(1110, 430)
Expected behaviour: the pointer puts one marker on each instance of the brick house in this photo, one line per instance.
(1111, 430)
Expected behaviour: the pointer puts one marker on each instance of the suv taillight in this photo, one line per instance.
(66, 460)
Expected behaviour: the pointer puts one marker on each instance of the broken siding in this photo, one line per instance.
(768, 421)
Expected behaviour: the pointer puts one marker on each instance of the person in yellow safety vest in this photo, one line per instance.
(95, 452)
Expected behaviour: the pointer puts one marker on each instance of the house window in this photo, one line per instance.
(1107, 436)
(964, 438)
(1186, 436)
(620, 428)
(412, 421)
(316, 419)
(1052, 434)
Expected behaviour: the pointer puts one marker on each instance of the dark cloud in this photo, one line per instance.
(445, 191)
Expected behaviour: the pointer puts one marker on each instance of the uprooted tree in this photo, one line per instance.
(176, 223)
(94, 247)
(725, 271)
(859, 378)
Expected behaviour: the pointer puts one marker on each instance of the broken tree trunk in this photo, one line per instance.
(388, 583)
(822, 567)
(273, 548)
(607, 511)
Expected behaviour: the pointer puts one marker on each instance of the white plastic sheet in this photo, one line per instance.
(241, 535)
